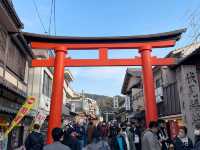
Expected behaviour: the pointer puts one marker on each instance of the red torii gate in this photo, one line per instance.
(61, 45)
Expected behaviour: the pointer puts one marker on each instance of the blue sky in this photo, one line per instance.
(109, 18)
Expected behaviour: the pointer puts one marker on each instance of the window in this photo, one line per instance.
(47, 85)
(3, 36)
(16, 61)
(158, 83)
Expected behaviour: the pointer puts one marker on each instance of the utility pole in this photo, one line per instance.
(82, 99)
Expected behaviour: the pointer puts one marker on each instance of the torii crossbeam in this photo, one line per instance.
(144, 43)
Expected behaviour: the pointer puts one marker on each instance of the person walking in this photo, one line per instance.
(35, 139)
(97, 133)
(67, 138)
(119, 141)
(57, 135)
(125, 135)
(80, 130)
(182, 141)
(150, 140)
(163, 135)
(103, 130)
(99, 144)
(90, 132)
(136, 132)
(197, 137)
(112, 133)
(130, 137)
(71, 138)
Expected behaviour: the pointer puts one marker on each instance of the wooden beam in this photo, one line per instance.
(105, 63)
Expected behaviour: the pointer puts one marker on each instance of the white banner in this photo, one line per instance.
(127, 103)
(73, 107)
(40, 117)
(115, 102)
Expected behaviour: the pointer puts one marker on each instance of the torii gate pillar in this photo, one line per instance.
(55, 115)
(149, 89)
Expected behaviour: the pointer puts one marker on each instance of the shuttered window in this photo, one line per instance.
(47, 85)
(16, 61)
(3, 37)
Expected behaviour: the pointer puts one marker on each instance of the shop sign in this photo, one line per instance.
(127, 103)
(188, 90)
(73, 107)
(115, 102)
(40, 117)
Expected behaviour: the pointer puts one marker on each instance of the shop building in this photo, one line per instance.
(133, 88)
(176, 90)
(15, 59)
(40, 81)
(86, 107)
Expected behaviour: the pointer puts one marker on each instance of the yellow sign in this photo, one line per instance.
(24, 110)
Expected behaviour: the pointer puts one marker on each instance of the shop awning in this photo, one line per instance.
(7, 110)
(131, 115)
(139, 115)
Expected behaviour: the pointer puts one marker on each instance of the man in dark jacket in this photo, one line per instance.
(135, 129)
(80, 130)
(57, 135)
(70, 138)
(182, 141)
(35, 140)
(163, 135)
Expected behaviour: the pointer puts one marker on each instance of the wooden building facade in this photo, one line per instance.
(15, 58)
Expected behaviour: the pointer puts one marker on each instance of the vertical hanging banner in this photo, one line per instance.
(127, 103)
(24, 110)
(115, 102)
(73, 107)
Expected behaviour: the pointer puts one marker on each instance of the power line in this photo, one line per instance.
(55, 17)
(51, 12)
(193, 24)
(38, 14)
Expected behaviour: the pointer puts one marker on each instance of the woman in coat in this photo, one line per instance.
(90, 132)
(119, 141)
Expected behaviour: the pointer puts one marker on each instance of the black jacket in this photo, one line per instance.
(34, 141)
(116, 144)
(197, 143)
(70, 141)
(197, 146)
(179, 145)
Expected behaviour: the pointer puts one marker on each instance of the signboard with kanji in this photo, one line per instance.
(115, 102)
(127, 103)
(188, 90)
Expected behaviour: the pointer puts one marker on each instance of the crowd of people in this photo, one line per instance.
(113, 136)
